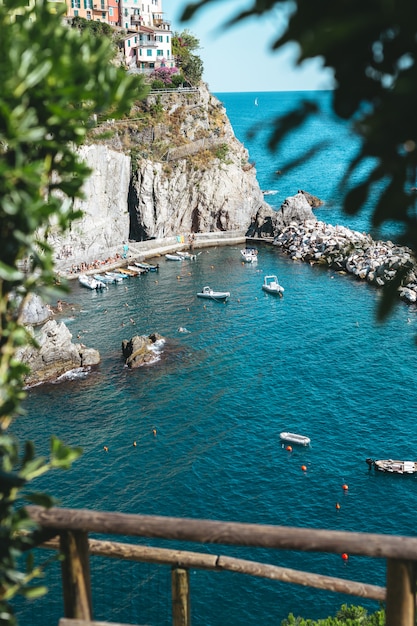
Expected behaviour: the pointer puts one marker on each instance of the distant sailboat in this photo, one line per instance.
(256, 102)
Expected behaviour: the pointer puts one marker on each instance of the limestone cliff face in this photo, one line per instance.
(222, 197)
(183, 172)
(105, 223)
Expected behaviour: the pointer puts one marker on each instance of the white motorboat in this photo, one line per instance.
(271, 285)
(294, 438)
(249, 255)
(209, 293)
(90, 282)
(173, 257)
(393, 467)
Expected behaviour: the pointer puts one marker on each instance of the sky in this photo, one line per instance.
(240, 58)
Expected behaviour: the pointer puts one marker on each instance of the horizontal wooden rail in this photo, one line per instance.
(227, 533)
(196, 560)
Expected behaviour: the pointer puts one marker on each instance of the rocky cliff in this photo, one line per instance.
(174, 168)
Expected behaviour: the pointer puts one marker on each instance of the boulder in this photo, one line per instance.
(294, 209)
(54, 354)
(35, 311)
(140, 350)
(313, 201)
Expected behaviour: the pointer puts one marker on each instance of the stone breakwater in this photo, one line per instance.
(345, 250)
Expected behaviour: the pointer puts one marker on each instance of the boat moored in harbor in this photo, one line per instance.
(301, 440)
(271, 285)
(209, 293)
(393, 467)
(90, 282)
(249, 255)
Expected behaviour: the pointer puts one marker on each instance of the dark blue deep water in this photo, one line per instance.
(313, 362)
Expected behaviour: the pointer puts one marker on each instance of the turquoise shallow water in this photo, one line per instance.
(313, 362)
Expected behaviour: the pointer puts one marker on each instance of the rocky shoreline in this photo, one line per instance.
(294, 230)
(345, 250)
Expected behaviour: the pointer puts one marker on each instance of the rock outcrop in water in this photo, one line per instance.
(140, 350)
(56, 354)
(298, 209)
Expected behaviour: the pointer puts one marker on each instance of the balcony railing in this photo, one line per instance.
(160, 23)
(147, 43)
(73, 525)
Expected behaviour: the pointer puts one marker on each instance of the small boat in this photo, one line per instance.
(173, 257)
(249, 255)
(117, 277)
(90, 282)
(136, 270)
(294, 438)
(186, 256)
(147, 266)
(271, 285)
(103, 278)
(209, 293)
(393, 467)
(127, 272)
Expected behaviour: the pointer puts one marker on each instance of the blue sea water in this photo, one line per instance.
(314, 362)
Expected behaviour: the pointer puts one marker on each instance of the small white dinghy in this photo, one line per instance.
(294, 438)
(173, 257)
(271, 285)
(209, 293)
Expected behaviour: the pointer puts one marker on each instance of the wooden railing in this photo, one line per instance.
(73, 526)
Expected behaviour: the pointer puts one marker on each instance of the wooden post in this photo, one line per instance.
(401, 592)
(180, 579)
(75, 569)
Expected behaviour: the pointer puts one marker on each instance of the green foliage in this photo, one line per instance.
(192, 67)
(346, 616)
(372, 47)
(158, 84)
(221, 153)
(177, 80)
(183, 46)
(54, 79)
(98, 29)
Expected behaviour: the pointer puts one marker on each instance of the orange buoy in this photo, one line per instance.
(345, 487)
(289, 448)
(304, 468)
(337, 506)
(154, 432)
(345, 556)
(105, 448)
